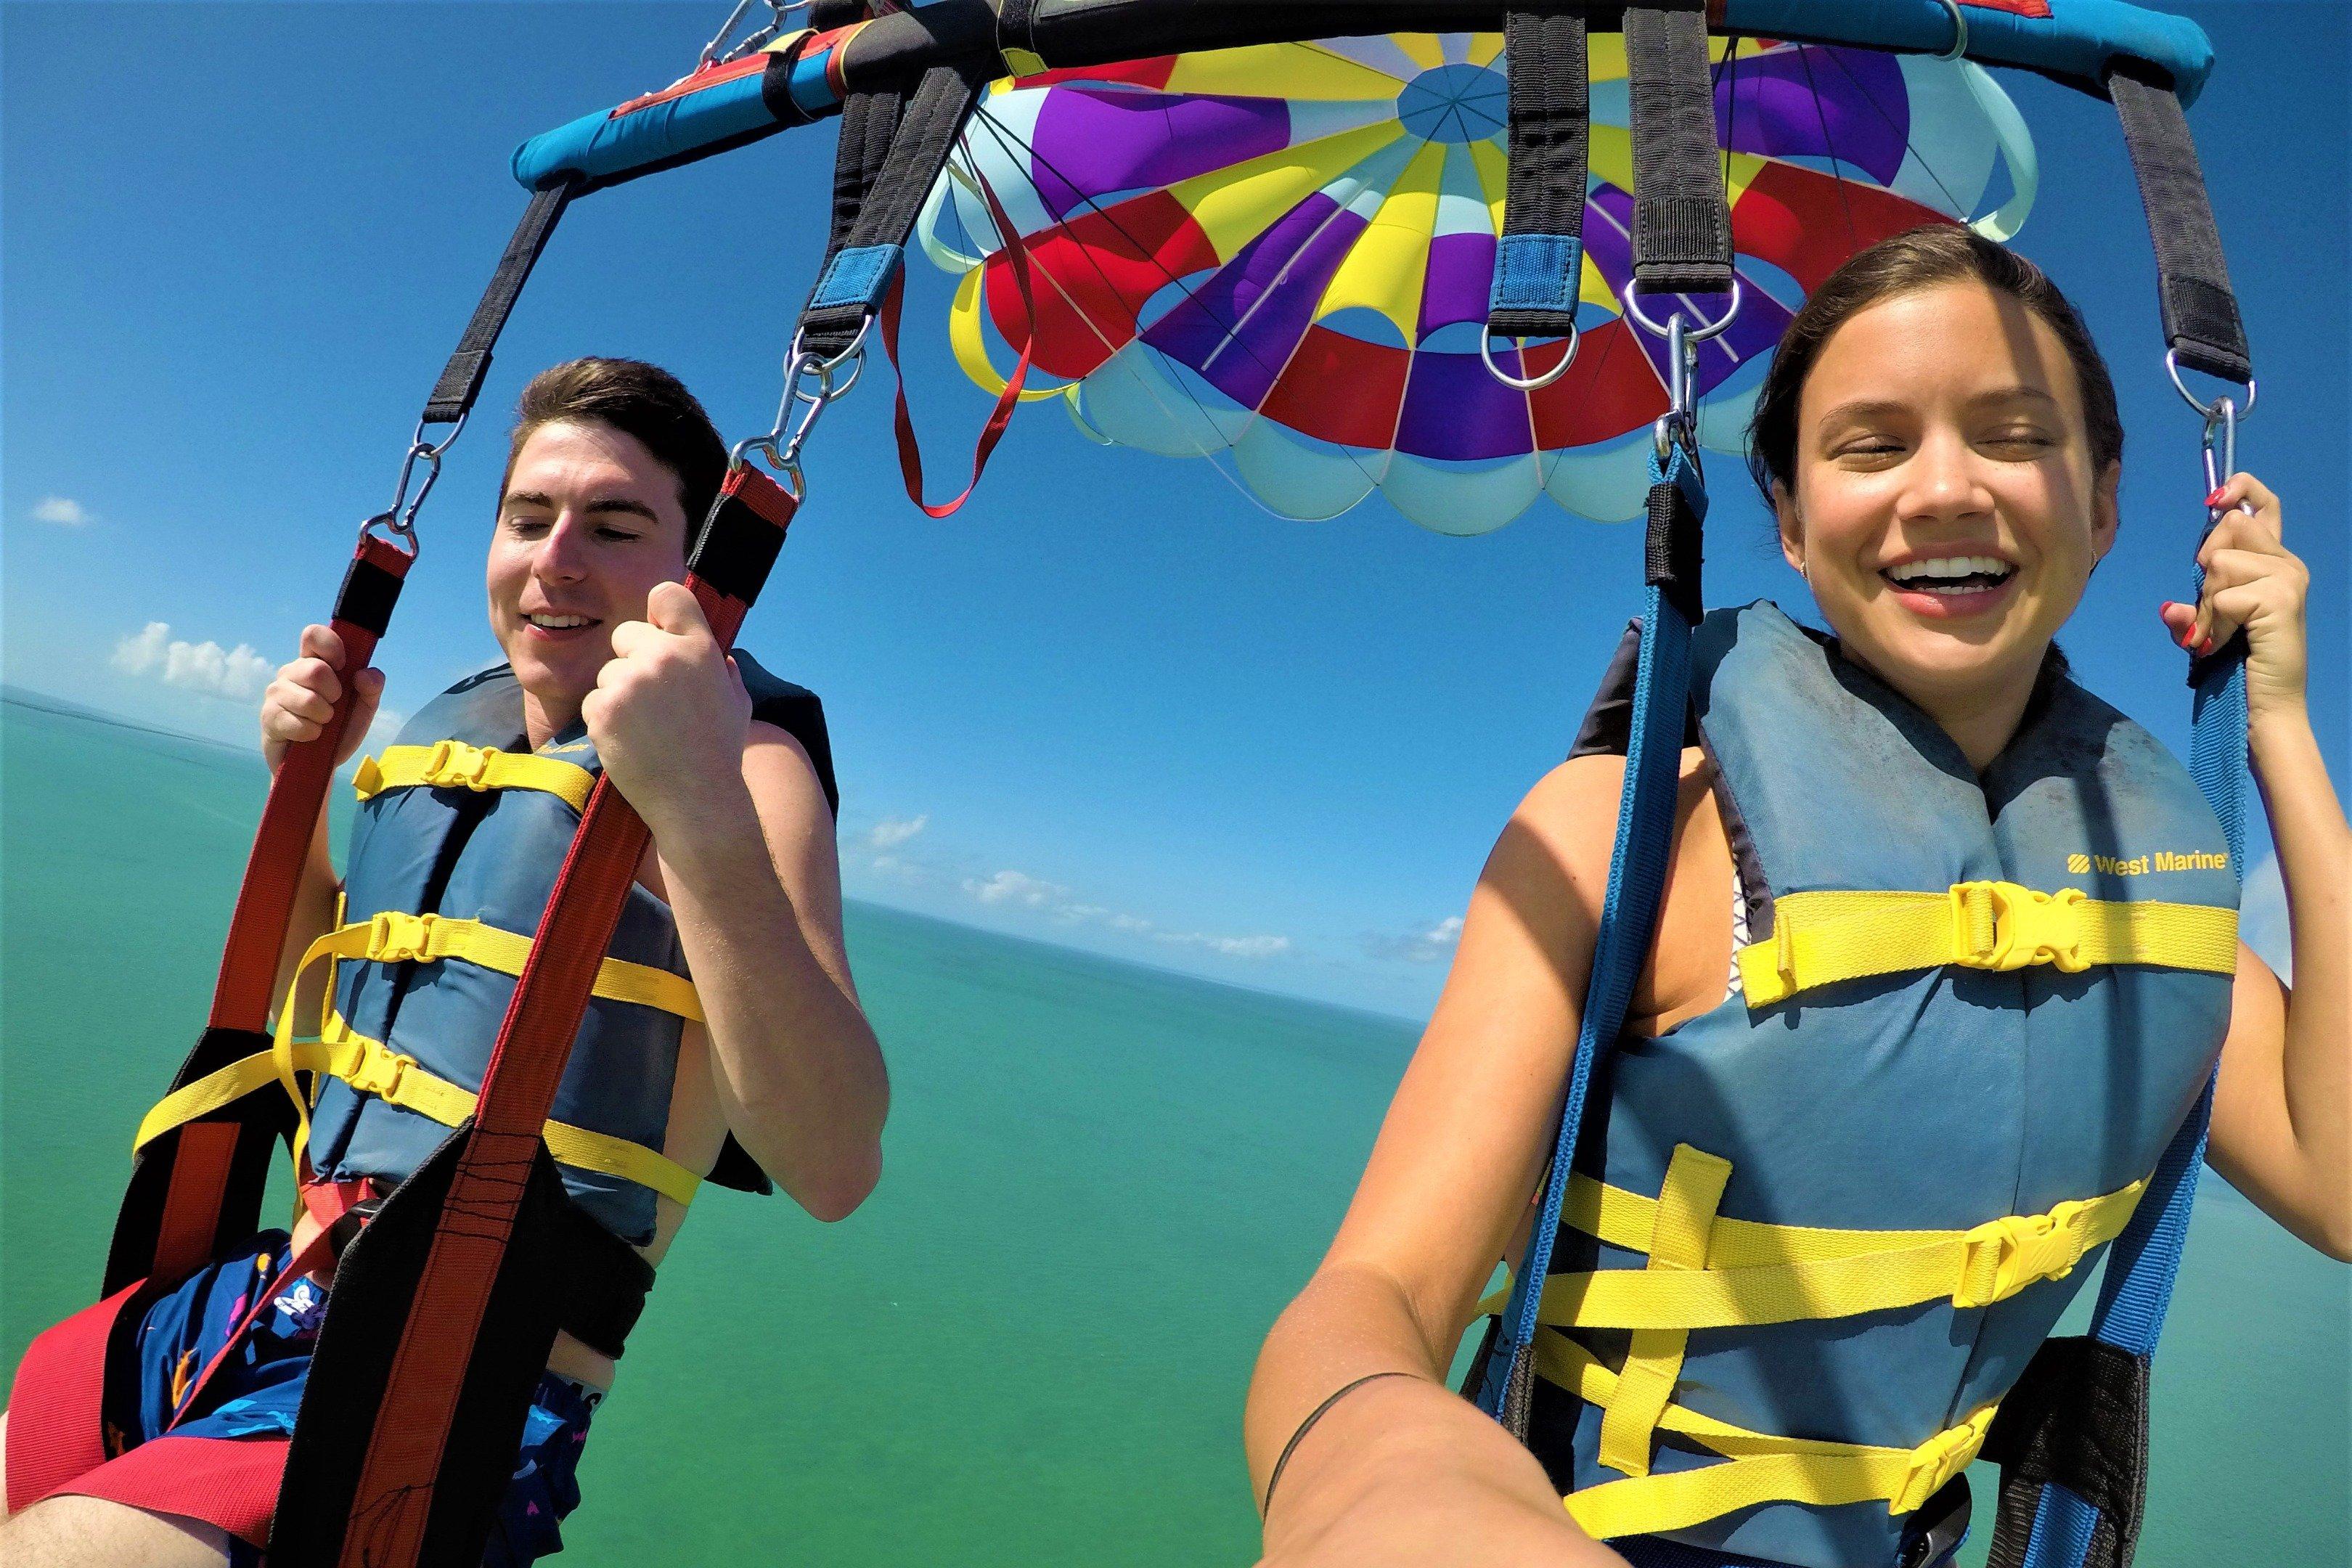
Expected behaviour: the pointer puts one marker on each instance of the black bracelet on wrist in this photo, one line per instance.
(1314, 1416)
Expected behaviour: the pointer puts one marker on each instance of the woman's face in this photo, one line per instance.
(1945, 511)
(590, 522)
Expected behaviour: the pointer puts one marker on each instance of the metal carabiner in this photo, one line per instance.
(2219, 448)
(718, 51)
(399, 518)
(1680, 421)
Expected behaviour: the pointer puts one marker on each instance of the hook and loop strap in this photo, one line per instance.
(2202, 325)
(1539, 260)
(1637, 877)
(891, 154)
(1682, 224)
(461, 378)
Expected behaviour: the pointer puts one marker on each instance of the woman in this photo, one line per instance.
(1939, 442)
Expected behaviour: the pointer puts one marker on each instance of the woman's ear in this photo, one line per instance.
(1792, 527)
(2106, 514)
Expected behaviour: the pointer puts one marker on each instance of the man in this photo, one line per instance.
(609, 663)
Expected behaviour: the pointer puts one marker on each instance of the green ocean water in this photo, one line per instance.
(1029, 1348)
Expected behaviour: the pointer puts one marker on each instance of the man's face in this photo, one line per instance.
(590, 522)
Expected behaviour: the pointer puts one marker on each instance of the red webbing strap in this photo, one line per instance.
(281, 845)
(230, 1483)
(394, 1499)
(56, 1432)
(201, 1155)
(910, 450)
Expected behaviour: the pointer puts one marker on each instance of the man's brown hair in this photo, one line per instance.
(637, 399)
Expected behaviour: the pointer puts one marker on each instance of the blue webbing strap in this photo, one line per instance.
(1629, 912)
(2146, 1259)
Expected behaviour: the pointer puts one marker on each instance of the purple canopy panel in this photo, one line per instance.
(1454, 411)
(1460, 276)
(1091, 142)
(1817, 103)
(1239, 328)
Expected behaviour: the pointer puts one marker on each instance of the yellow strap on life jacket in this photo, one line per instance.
(1821, 938)
(1758, 1273)
(454, 764)
(371, 1067)
(1757, 1467)
(393, 937)
(1684, 1214)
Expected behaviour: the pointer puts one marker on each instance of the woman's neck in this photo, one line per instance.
(1982, 717)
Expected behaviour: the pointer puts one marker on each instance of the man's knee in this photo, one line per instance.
(89, 1533)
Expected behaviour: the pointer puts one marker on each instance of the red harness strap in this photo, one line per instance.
(910, 450)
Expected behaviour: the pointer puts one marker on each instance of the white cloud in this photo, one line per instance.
(236, 673)
(1430, 944)
(893, 831)
(1230, 946)
(63, 510)
(1014, 887)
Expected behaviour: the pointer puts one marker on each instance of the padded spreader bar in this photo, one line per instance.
(1682, 224)
(2200, 309)
(199, 1185)
(461, 378)
(425, 1378)
(1539, 260)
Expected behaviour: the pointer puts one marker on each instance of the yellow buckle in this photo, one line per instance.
(2003, 926)
(1934, 1462)
(380, 1073)
(394, 936)
(453, 764)
(2024, 1248)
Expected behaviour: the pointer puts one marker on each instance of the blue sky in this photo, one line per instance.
(1111, 703)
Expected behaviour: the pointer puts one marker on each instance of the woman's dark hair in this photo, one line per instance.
(637, 399)
(1903, 264)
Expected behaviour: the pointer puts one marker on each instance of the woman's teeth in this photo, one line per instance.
(556, 623)
(1951, 574)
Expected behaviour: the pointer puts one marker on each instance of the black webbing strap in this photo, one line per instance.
(1016, 36)
(2077, 1419)
(2201, 311)
(1682, 225)
(1539, 260)
(461, 378)
(880, 181)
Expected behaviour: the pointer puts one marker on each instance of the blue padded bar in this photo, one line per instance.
(603, 150)
(2074, 43)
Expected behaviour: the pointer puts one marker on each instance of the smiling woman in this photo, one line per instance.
(1860, 1169)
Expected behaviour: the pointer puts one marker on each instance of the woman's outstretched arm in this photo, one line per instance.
(1400, 1469)
(2283, 1110)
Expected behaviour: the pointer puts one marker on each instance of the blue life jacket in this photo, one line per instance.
(492, 856)
(1935, 1100)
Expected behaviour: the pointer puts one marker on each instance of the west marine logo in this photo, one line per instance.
(2140, 866)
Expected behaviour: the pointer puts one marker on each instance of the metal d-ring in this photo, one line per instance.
(1529, 383)
(2210, 411)
(1697, 334)
(1959, 48)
